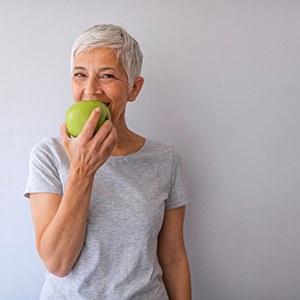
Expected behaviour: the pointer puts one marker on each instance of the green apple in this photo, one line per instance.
(78, 114)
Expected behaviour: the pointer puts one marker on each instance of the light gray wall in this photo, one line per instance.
(222, 85)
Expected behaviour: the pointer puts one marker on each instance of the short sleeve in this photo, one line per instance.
(43, 170)
(178, 195)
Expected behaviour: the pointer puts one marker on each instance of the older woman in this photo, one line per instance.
(108, 209)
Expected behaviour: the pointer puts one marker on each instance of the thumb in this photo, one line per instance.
(65, 136)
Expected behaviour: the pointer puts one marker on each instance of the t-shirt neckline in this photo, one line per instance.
(136, 153)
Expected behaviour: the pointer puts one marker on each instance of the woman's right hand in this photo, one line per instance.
(88, 152)
(60, 221)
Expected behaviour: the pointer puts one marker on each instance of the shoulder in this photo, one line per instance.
(163, 149)
(47, 146)
(160, 147)
(47, 142)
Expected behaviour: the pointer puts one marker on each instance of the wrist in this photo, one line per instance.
(82, 174)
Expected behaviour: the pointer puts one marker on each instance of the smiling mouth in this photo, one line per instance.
(105, 103)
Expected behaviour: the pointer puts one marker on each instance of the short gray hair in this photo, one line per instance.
(114, 37)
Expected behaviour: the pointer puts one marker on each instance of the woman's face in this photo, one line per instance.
(98, 75)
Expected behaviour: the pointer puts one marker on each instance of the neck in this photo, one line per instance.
(128, 142)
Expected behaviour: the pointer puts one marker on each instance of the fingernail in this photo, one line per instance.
(97, 109)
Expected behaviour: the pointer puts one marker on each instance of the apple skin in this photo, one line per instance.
(78, 114)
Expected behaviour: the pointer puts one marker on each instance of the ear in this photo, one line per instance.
(136, 88)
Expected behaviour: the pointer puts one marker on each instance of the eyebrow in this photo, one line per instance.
(98, 70)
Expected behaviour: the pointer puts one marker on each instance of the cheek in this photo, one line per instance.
(121, 94)
(76, 92)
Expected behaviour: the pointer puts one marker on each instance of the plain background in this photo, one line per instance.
(221, 84)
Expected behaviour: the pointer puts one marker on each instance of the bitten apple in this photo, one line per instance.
(78, 114)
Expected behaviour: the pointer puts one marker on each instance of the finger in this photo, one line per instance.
(65, 136)
(91, 124)
(109, 141)
(103, 131)
(112, 140)
(64, 132)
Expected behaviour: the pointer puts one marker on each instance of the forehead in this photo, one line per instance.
(98, 57)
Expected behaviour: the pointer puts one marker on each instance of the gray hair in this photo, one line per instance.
(114, 37)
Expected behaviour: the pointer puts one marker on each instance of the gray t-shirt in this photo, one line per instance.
(130, 194)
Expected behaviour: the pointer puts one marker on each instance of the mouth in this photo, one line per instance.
(105, 102)
(107, 105)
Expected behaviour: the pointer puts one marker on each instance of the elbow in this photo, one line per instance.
(56, 267)
(167, 259)
(58, 272)
(56, 263)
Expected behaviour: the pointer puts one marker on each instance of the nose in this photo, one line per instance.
(92, 86)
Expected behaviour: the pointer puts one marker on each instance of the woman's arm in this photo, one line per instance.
(60, 224)
(172, 255)
(60, 221)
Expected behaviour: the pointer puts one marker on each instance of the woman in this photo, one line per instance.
(108, 209)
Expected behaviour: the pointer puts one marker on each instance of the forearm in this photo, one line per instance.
(61, 242)
(176, 277)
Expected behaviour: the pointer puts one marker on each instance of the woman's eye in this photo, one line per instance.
(107, 76)
(79, 75)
